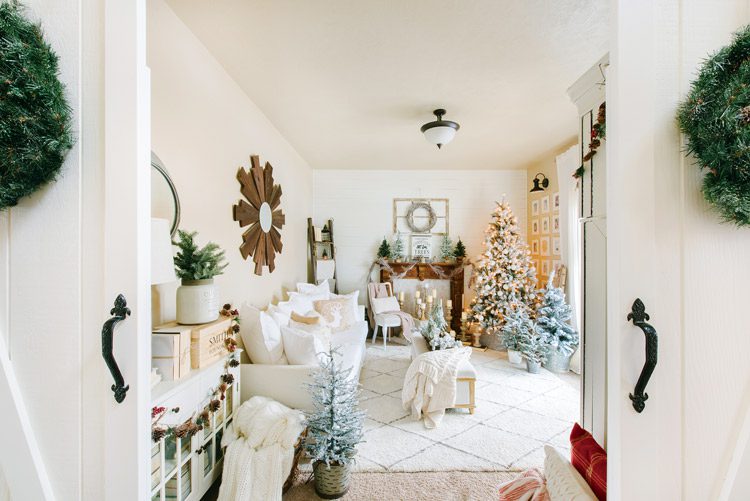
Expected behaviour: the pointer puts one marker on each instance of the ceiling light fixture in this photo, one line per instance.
(537, 180)
(440, 131)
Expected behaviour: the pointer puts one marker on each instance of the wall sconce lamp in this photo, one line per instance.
(537, 181)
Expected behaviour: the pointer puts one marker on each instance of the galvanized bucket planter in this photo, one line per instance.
(557, 362)
(331, 482)
(533, 367)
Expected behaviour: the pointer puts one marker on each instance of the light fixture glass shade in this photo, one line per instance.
(440, 135)
(162, 260)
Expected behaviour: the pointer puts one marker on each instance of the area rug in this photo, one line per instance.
(443, 486)
(517, 414)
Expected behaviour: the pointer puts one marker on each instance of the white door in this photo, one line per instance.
(127, 199)
(666, 247)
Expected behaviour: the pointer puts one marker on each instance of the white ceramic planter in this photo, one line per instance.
(515, 357)
(197, 302)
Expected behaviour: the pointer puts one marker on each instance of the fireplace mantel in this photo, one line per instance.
(427, 271)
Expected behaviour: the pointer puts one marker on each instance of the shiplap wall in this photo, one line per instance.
(361, 204)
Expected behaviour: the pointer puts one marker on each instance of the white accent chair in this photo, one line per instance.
(384, 321)
(465, 379)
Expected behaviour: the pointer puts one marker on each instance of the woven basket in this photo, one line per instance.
(331, 482)
(299, 450)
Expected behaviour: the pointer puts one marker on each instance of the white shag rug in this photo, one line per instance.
(517, 414)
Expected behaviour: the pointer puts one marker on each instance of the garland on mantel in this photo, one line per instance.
(715, 118)
(196, 423)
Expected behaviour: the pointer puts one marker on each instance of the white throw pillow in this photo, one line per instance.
(353, 298)
(302, 303)
(385, 304)
(302, 347)
(261, 336)
(564, 483)
(280, 312)
(315, 290)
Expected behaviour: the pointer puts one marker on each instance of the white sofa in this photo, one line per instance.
(287, 383)
(465, 379)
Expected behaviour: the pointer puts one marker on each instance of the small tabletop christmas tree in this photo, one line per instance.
(335, 423)
(460, 251)
(397, 251)
(505, 275)
(384, 251)
(436, 332)
(446, 248)
(553, 321)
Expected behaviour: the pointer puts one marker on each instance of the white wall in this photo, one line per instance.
(361, 204)
(203, 128)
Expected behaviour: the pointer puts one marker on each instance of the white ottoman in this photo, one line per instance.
(465, 379)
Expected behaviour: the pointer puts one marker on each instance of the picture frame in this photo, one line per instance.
(545, 225)
(545, 267)
(544, 249)
(556, 223)
(535, 246)
(535, 227)
(421, 246)
(535, 207)
(556, 201)
(556, 249)
(545, 204)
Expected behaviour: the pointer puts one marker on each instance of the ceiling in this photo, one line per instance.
(349, 83)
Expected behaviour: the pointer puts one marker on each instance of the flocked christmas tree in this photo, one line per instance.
(517, 326)
(505, 275)
(436, 331)
(446, 248)
(397, 250)
(384, 251)
(335, 423)
(553, 322)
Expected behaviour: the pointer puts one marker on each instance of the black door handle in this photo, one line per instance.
(639, 317)
(120, 312)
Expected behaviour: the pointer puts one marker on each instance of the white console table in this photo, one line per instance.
(184, 469)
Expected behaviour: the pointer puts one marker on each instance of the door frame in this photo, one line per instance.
(127, 208)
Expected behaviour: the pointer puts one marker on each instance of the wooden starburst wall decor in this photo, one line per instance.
(262, 239)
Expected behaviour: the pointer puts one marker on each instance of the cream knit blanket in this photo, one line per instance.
(260, 450)
(430, 384)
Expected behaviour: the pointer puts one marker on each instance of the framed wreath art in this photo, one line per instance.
(35, 118)
(715, 118)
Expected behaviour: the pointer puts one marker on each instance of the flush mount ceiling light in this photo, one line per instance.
(537, 181)
(440, 131)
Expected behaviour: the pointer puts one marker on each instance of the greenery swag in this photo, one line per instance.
(715, 117)
(35, 119)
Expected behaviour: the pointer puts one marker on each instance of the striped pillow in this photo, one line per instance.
(590, 460)
(528, 486)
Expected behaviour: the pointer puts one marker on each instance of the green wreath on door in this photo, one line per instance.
(35, 119)
(715, 118)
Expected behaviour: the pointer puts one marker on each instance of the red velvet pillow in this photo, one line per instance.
(590, 460)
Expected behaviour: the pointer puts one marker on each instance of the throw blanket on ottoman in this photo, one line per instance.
(260, 450)
(430, 384)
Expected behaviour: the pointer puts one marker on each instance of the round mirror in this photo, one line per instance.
(165, 203)
(265, 217)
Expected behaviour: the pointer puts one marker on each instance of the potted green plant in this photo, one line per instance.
(334, 426)
(517, 325)
(553, 325)
(198, 296)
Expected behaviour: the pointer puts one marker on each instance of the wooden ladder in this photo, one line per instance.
(317, 247)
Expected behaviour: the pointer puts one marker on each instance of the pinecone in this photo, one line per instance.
(214, 405)
(158, 433)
